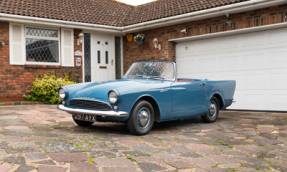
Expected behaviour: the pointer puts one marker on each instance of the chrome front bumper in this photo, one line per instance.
(93, 112)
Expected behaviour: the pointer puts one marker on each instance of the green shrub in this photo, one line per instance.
(46, 89)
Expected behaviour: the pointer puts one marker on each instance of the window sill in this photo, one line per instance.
(42, 66)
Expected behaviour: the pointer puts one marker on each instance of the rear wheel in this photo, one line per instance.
(83, 123)
(141, 118)
(213, 111)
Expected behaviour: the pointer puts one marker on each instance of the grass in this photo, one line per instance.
(22, 147)
(157, 152)
(63, 136)
(79, 146)
(130, 158)
(91, 160)
(223, 143)
(206, 143)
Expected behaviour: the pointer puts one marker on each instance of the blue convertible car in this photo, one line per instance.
(150, 91)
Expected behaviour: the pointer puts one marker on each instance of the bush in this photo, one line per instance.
(46, 89)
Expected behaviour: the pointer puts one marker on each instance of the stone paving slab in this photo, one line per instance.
(42, 138)
(69, 157)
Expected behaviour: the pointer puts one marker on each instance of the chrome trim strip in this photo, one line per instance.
(93, 112)
(84, 98)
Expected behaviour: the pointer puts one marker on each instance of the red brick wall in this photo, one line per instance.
(248, 19)
(15, 80)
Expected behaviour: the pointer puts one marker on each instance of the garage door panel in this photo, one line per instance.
(253, 80)
(257, 61)
(253, 99)
(249, 101)
(277, 79)
(196, 76)
(206, 62)
(277, 59)
(229, 43)
(252, 40)
(252, 60)
(186, 48)
(278, 99)
(277, 36)
(227, 63)
(229, 77)
(188, 67)
(202, 44)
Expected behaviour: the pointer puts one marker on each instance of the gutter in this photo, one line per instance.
(197, 15)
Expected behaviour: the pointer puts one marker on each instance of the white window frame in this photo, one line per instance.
(43, 38)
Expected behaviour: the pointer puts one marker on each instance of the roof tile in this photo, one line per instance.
(167, 8)
(106, 12)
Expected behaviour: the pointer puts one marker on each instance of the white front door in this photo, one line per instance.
(102, 58)
(257, 61)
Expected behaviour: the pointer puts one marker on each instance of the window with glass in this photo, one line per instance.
(42, 45)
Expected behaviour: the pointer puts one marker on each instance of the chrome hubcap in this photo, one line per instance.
(143, 117)
(212, 109)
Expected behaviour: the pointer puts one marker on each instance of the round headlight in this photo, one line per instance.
(62, 93)
(113, 97)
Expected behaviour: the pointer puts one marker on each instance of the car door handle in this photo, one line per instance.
(203, 83)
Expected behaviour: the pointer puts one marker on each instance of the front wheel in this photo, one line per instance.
(213, 111)
(141, 118)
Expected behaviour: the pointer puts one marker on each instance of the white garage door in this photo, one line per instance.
(257, 61)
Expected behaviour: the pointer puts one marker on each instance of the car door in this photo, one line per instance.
(187, 96)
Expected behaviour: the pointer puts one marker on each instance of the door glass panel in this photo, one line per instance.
(107, 57)
(118, 57)
(99, 57)
(87, 56)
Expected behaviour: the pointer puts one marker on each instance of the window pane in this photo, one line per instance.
(42, 32)
(87, 52)
(38, 50)
(99, 57)
(107, 57)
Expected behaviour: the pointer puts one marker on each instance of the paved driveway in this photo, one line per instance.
(45, 139)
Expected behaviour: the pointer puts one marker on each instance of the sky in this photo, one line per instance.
(135, 2)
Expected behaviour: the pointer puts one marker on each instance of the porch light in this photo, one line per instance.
(81, 39)
(156, 44)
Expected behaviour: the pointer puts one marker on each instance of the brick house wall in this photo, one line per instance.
(15, 80)
(248, 19)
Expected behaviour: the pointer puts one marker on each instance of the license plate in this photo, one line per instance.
(82, 117)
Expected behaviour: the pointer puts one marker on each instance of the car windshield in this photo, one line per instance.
(151, 70)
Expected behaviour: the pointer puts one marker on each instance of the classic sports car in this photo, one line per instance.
(150, 91)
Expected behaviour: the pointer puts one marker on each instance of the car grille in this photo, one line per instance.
(90, 104)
